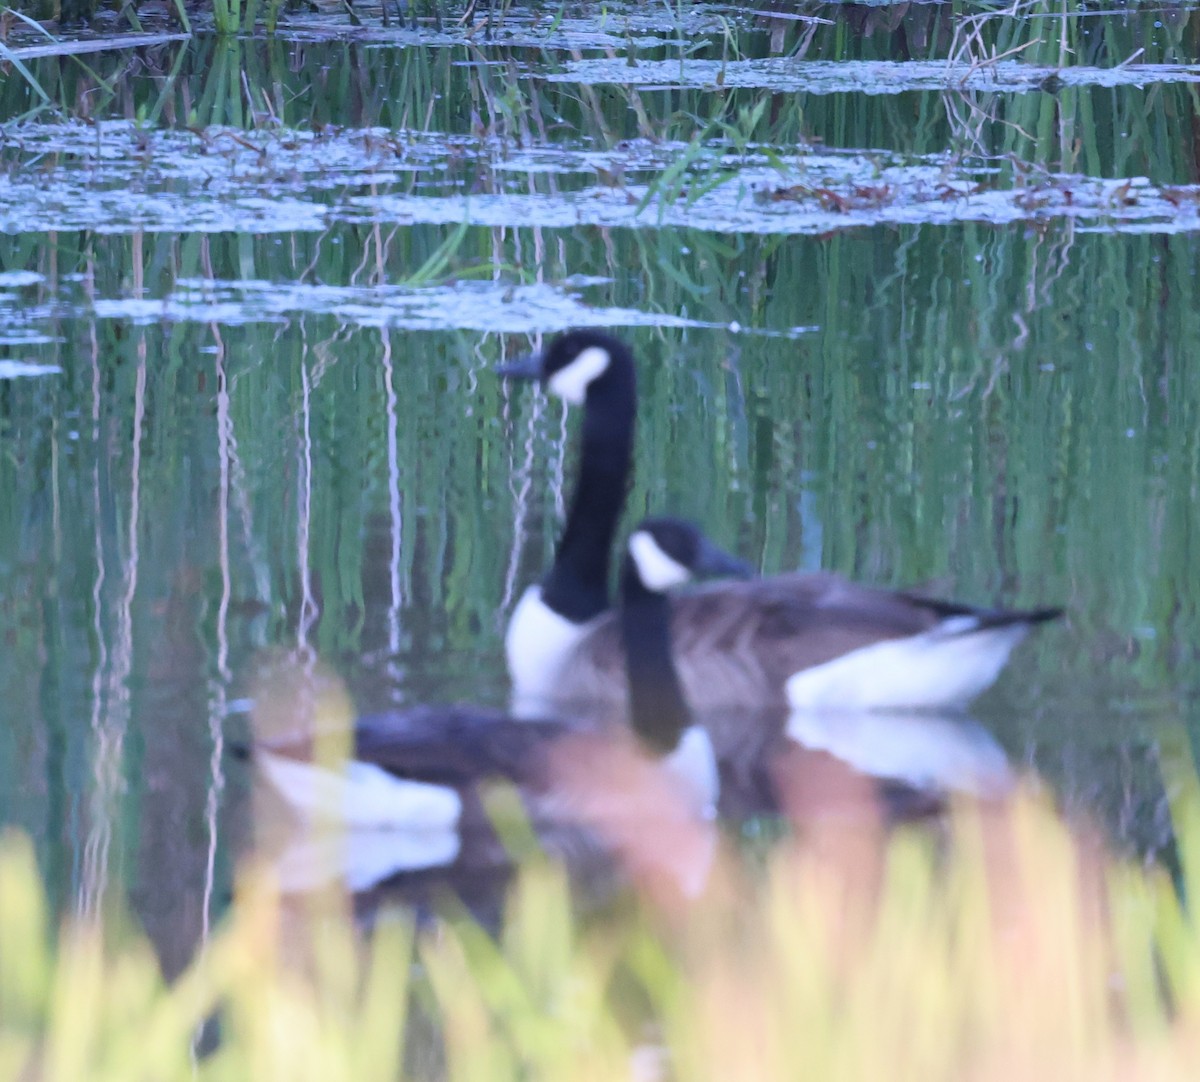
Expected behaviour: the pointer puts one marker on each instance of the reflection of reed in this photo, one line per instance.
(520, 485)
(309, 610)
(99, 834)
(899, 484)
(395, 505)
(111, 705)
(217, 698)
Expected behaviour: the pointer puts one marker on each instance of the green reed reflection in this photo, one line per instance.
(290, 434)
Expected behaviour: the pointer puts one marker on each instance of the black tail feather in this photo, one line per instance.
(987, 618)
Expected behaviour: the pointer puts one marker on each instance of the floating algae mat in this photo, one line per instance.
(114, 177)
(786, 75)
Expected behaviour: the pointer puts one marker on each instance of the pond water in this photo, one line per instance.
(914, 292)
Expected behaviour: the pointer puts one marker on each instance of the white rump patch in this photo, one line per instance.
(925, 751)
(656, 569)
(360, 795)
(695, 764)
(536, 645)
(571, 382)
(945, 667)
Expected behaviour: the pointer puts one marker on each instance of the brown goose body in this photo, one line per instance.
(745, 644)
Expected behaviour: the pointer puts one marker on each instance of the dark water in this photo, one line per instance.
(247, 400)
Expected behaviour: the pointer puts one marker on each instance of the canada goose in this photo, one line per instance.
(419, 770)
(595, 370)
(792, 641)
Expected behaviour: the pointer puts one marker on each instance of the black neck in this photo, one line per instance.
(577, 586)
(657, 708)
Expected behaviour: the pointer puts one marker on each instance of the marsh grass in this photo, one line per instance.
(1003, 944)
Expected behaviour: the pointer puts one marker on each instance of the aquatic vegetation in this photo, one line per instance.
(787, 75)
(925, 279)
(1008, 946)
(287, 181)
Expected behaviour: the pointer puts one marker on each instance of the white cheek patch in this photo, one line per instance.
(571, 382)
(656, 569)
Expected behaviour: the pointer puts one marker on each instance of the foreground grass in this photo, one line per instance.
(1004, 946)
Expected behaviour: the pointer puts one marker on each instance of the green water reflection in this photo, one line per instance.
(1008, 414)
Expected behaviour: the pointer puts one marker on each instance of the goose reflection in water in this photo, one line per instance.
(860, 771)
(641, 798)
(926, 752)
(653, 845)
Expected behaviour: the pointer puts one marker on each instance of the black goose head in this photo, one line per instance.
(662, 553)
(578, 365)
(596, 370)
(666, 552)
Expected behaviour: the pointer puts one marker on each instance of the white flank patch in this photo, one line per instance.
(571, 381)
(361, 795)
(927, 752)
(695, 764)
(537, 643)
(656, 569)
(358, 859)
(945, 667)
